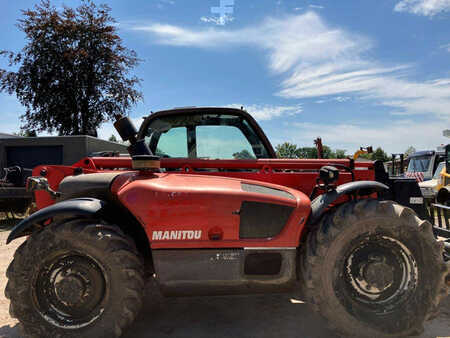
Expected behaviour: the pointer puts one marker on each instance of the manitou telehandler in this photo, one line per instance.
(203, 206)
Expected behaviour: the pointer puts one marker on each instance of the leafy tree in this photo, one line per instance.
(411, 150)
(340, 153)
(327, 152)
(289, 150)
(311, 152)
(112, 138)
(379, 154)
(26, 133)
(366, 156)
(286, 150)
(306, 152)
(243, 155)
(72, 73)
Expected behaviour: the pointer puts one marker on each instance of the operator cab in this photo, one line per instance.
(205, 133)
(423, 164)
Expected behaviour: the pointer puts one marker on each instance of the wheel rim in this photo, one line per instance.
(379, 274)
(70, 290)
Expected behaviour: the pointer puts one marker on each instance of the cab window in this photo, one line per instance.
(173, 143)
(208, 136)
(222, 142)
(419, 164)
(437, 173)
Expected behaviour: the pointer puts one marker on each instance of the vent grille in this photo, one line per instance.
(262, 220)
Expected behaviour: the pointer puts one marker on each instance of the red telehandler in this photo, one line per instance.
(203, 206)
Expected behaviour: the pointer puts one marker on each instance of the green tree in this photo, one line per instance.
(289, 150)
(112, 138)
(311, 152)
(306, 152)
(286, 150)
(366, 156)
(409, 151)
(379, 154)
(327, 152)
(340, 153)
(26, 133)
(243, 155)
(72, 74)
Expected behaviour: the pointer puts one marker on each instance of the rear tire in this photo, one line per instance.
(374, 269)
(75, 279)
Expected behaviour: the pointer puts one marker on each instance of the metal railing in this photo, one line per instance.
(440, 214)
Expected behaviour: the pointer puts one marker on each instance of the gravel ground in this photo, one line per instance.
(239, 316)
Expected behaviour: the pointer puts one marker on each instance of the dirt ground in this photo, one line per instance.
(240, 316)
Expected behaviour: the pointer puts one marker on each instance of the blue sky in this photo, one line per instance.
(355, 73)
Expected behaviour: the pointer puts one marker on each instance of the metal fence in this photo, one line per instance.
(440, 214)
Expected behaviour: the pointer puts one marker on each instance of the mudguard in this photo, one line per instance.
(79, 207)
(320, 203)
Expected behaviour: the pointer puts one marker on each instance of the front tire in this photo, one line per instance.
(374, 269)
(75, 279)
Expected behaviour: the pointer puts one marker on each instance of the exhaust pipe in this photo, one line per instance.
(141, 155)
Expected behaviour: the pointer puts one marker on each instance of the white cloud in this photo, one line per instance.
(317, 60)
(298, 8)
(268, 112)
(161, 4)
(219, 21)
(302, 38)
(446, 47)
(394, 137)
(423, 7)
(336, 98)
(341, 98)
(316, 6)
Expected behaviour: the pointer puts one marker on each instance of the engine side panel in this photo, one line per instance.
(190, 211)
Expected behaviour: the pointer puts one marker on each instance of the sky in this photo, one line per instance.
(355, 73)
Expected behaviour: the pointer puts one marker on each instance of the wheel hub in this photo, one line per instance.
(70, 290)
(379, 270)
(379, 275)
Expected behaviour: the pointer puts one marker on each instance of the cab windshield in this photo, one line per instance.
(438, 170)
(419, 164)
(205, 136)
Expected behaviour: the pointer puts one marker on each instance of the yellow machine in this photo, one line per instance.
(361, 151)
(443, 186)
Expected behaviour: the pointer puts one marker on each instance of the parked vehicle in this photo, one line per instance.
(429, 188)
(201, 221)
(422, 164)
(14, 199)
(18, 155)
(440, 211)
